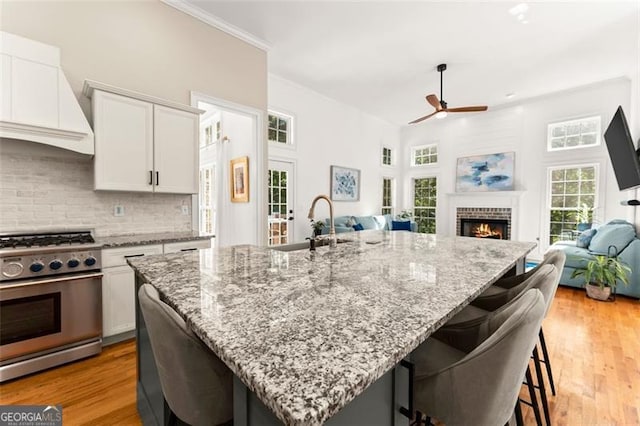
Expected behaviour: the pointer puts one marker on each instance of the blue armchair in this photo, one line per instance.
(616, 236)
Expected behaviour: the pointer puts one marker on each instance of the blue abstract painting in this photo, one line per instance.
(493, 172)
(345, 184)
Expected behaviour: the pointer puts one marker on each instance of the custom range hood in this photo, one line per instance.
(36, 101)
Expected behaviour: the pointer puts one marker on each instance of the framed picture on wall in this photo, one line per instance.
(492, 172)
(345, 184)
(239, 179)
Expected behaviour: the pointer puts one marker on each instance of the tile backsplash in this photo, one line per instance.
(40, 191)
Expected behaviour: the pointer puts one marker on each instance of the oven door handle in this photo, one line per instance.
(51, 280)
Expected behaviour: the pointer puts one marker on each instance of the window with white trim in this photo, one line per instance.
(581, 133)
(424, 203)
(279, 128)
(570, 189)
(425, 154)
(387, 196)
(387, 156)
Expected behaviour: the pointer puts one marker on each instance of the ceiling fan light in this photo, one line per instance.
(441, 114)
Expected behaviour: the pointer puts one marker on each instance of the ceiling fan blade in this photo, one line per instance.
(468, 109)
(433, 100)
(423, 118)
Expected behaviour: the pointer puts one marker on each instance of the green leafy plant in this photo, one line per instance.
(584, 214)
(405, 214)
(317, 225)
(604, 271)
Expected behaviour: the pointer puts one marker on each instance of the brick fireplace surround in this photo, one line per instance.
(483, 213)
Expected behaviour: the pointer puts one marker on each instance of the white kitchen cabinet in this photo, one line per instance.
(143, 143)
(118, 287)
(187, 246)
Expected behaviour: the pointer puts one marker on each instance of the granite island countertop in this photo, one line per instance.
(149, 238)
(308, 332)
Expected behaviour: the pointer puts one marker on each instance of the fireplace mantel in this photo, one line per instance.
(487, 199)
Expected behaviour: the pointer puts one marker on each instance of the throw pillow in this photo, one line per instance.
(619, 236)
(584, 239)
(404, 225)
(350, 222)
(358, 227)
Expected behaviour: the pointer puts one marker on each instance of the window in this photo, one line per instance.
(212, 132)
(572, 134)
(279, 128)
(207, 213)
(387, 196)
(424, 204)
(570, 189)
(386, 156)
(426, 154)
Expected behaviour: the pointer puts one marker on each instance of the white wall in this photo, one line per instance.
(522, 128)
(326, 133)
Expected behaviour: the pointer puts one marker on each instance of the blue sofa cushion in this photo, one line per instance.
(404, 225)
(358, 227)
(584, 239)
(367, 222)
(576, 257)
(618, 235)
(340, 221)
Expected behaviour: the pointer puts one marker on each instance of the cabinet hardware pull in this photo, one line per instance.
(412, 369)
(150, 177)
(189, 249)
(133, 255)
(157, 178)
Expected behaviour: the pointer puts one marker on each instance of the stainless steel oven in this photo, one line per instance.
(50, 302)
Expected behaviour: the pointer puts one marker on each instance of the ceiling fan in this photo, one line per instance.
(441, 106)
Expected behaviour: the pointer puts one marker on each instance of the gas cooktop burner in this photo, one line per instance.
(44, 240)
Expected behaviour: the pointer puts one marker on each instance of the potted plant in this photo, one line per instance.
(405, 215)
(584, 218)
(602, 275)
(317, 227)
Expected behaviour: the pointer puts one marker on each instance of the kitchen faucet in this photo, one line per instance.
(332, 229)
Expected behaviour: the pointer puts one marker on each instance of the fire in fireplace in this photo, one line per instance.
(484, 228)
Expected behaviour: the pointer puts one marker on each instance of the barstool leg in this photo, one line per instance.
(541, 387)
(547, 362)
(518, 411)
(532, 395)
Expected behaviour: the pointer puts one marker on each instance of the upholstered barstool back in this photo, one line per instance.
(197, 386)
(480, 387)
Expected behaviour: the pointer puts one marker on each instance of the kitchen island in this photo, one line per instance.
(316, 336)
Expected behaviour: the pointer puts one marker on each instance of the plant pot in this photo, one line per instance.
(595, 292)
(582, 226)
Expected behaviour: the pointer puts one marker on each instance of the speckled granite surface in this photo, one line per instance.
(309, 332)
(144, 239)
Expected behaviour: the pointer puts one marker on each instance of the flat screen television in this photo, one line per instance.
(624, 156)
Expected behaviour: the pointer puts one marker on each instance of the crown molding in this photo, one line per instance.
(220, 24)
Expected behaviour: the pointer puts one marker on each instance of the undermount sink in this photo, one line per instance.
(305, 244)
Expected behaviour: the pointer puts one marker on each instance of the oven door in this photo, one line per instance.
(39, 315)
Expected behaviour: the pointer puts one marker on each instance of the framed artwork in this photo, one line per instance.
(493, 172)
(239, 179)
(345, 184)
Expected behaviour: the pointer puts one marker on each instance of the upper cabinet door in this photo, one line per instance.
(175, 150)
(124, 142)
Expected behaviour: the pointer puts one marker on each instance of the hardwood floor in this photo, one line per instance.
(594, 347)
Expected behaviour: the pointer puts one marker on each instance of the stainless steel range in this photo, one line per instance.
(50, 300)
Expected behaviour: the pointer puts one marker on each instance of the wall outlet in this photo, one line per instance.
(118, 210)
(185, 210)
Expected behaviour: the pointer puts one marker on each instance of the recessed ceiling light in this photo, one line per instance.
(519, 9)
(525, 22)
(510, 95)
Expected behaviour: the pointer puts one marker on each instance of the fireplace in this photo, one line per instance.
(484, 222)
(485, 228)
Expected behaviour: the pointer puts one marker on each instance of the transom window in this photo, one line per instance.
(279, 128)
(387, 196)
(426, 154)
(571, 189)
(572, 134)
(424, 204)
(386, 156)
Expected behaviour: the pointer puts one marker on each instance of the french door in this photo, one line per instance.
(280, 210)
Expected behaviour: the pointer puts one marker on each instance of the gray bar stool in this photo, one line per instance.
(478, 380)
(197, 386)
